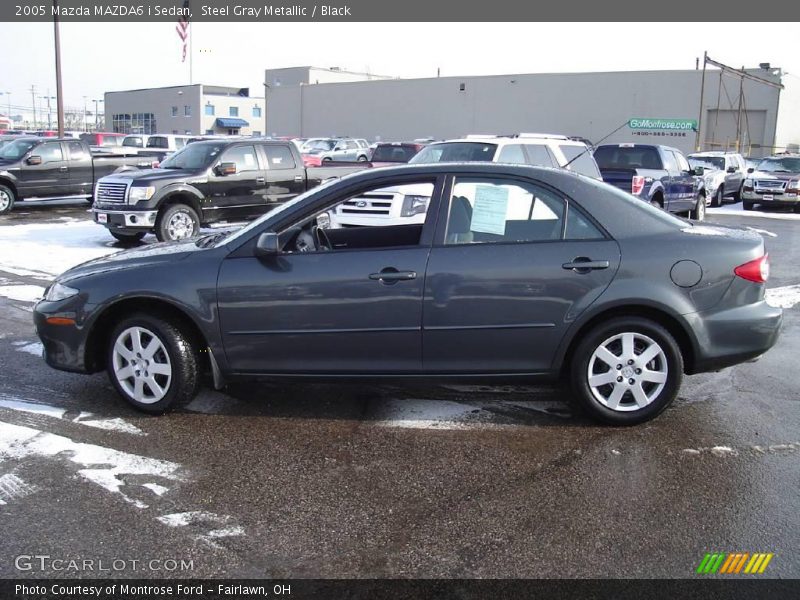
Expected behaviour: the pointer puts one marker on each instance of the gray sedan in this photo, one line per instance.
(515, 273)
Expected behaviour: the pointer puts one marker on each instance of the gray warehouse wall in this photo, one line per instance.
(590, 105)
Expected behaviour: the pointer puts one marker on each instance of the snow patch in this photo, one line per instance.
(34, 348)
(426, 414)
(783, 297)
(13, 403)
(737, 210)
(158, 490)
(22, 293)
(115, 424)
(13, 488)
(56, 412)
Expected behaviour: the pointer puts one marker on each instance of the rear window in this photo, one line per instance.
(627, 157)
(133, 142)
(456, 152)
(580, 160)
(390, 153)
(158, 141)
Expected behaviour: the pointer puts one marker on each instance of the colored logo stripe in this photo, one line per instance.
(733, 562)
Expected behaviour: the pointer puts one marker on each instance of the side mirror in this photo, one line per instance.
(751, 170)
(34, 160)
(338, 148)
(226, 168)
(268, 244)
(324, 220)
(732, 169)
(699, 171)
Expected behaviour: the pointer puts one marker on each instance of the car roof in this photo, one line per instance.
(713, 153)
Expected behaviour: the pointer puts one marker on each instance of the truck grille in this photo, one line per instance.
(770, 184)
(108, 191)
(368, 204)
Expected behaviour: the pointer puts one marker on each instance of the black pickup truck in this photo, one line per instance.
(206, 182)
(55, 168)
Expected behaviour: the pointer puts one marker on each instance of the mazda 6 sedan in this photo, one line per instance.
(515, 273)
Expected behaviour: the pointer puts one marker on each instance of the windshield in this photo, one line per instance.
(319, 145)
(707, 162)
(455, 152)
(16, 149)
(194, 156)
(390, 153)
(780, 165)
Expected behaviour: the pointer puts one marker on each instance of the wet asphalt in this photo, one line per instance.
(295, 480)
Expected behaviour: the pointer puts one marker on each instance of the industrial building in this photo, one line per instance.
(636, 106)
(185, 109)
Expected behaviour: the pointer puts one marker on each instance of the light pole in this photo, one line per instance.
(96, 101)
(85, 128)
(59, 94)
(49, 119)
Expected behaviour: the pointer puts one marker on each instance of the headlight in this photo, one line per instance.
(748, 183)
(58, 292)
(414, 205)
(140, 193)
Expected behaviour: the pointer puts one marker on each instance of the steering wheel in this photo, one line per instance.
(322, 239)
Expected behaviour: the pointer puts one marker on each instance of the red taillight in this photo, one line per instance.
(155, 164)
(756, 270)
(637, 184)
(311, 161)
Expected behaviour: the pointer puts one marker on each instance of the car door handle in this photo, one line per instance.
(584, 265)
(391, 275)
(260, 180)
(62, 169)
(298, 178)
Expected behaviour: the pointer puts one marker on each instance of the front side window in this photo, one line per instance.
(243, 156)
(351, 145)
(499, 210)
(16, 149)
(683, 164)
(50, 152)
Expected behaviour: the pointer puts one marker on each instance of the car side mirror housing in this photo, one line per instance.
(699, 171)
(338, 148)
(34, 160)
(731, 169)
(268, 244)
(751, 170)
(226, 168)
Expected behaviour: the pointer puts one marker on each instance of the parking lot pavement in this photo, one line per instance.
(284, 480)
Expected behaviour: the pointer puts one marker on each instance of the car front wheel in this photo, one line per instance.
(152, 363)
(6, 199)
(717, 200)
(699, 211)
(626, 371)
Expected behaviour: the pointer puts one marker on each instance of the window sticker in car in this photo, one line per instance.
(489, 213)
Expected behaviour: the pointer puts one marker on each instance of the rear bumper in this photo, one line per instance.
(734, 336)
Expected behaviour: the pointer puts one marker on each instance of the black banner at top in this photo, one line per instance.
(646, 17)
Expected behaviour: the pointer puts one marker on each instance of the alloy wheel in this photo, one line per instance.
(142, 365)
(5, 200)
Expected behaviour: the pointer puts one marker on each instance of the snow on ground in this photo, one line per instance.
(784, 297)
(22, 293)
(46, 249)
(33, 348)
(736, 209)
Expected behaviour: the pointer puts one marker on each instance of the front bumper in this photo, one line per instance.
(64, 345)
(125, 219)
(777, 199)
(733, 336)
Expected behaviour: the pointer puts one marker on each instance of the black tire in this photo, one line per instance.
(655, 202)
(669, 359)
(127, 238)
(747, 205)
(184, 363)
(362, 158)
(698, 213)
(327, 159)
(166, 231)
(7, 199)
(718, 199)
(737, 195)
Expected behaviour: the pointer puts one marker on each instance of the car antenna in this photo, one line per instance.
(577, 156)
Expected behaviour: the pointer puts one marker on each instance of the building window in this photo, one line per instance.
(209, 132)
(256, 111)
(174, 132)
(256, 134)
(233, 111)
(174, 111)
(233, 132)
(144, 123)
(187, 110)
(210, 110)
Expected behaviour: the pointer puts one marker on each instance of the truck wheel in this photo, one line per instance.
(747, 205)
(737, 196)
(362, 158)
(177, 222)
(626, 371)
(128, 238)
(716, 201)
(152, 364)
(699, 211)
(6, 199)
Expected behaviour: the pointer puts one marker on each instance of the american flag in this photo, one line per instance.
(183, 28)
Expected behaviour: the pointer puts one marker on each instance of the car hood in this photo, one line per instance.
(145, 176)
(134, 258)
(773, 175)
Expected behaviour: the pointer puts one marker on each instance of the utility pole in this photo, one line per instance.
(739, 114)
(85, 124)
(33, 103)
(59, 91)
(95, 113)
(702, 109)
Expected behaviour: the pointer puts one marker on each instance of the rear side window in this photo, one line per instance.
(243, 156)
(539, 156)
(498, 210)
(627, 157)
(279, 157)
(579, 227)
(580, 160)
(76, 151)
(512, 154)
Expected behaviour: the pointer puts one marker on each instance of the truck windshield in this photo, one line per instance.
(780, 165)
(627, 157)
(194, 156)
(16, 149)
(707, 162)
(455, 152)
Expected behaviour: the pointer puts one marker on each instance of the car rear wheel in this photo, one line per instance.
(717, 200)
(626, 371)
(699, 211)
(152, 364)
(177, 222)
(747, 205)
(7, 199)
(362, 158)
(128, 238)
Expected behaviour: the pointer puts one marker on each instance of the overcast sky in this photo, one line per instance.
(104, 57)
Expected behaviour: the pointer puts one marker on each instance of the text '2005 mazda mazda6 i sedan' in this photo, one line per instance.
(515, 273)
